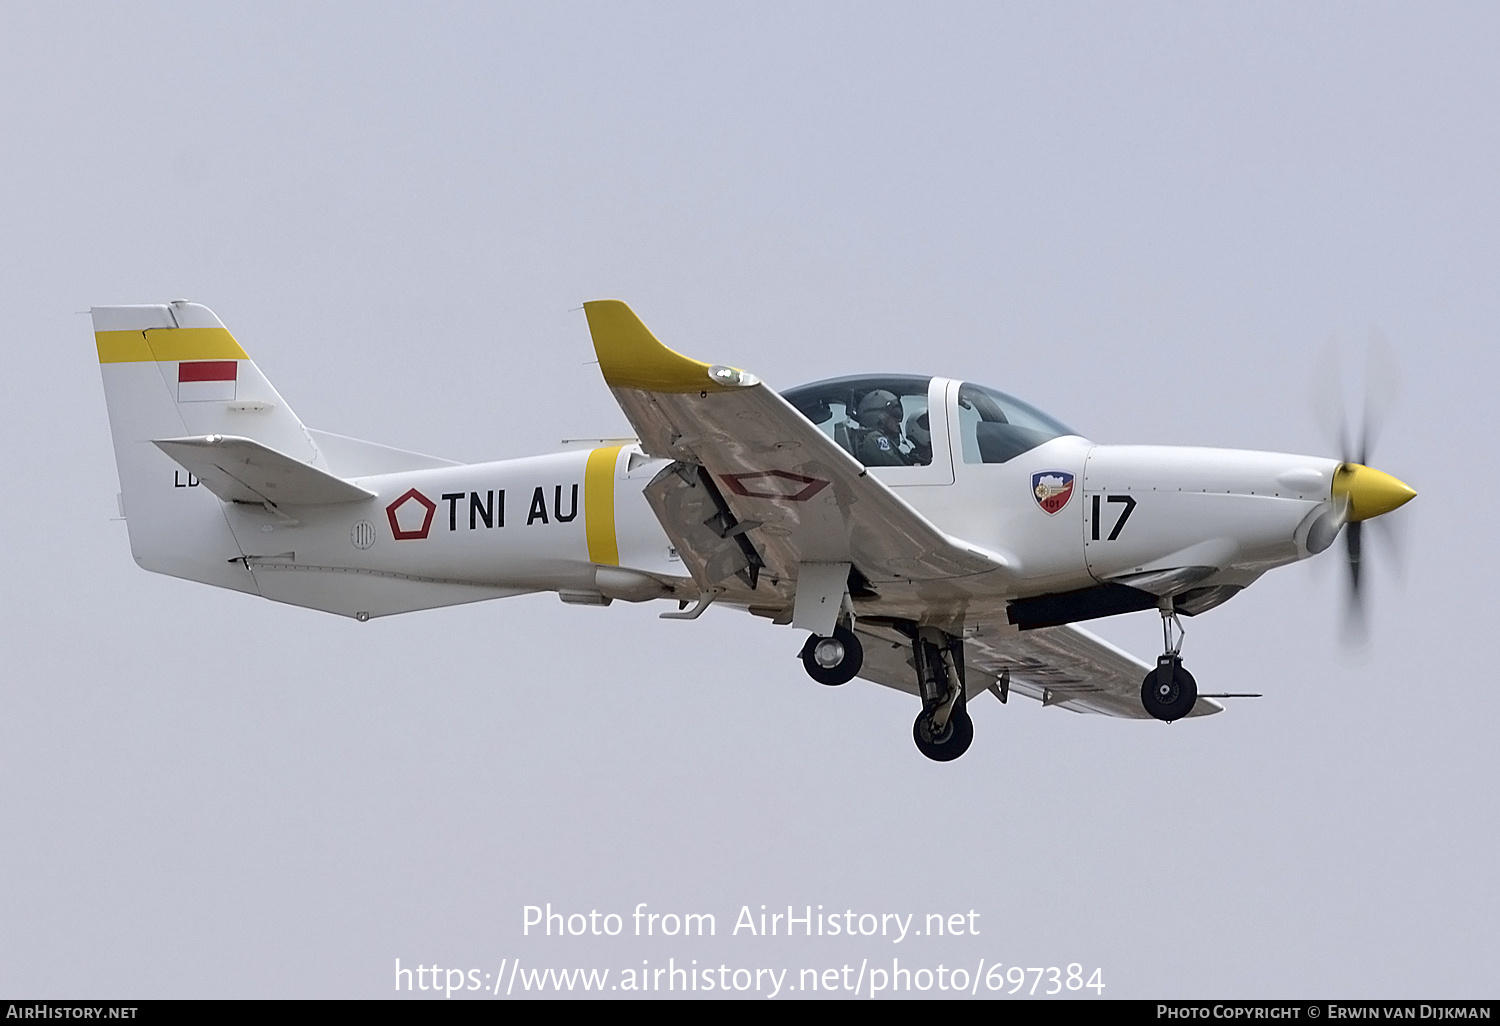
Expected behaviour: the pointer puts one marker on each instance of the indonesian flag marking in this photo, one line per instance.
(202, 381)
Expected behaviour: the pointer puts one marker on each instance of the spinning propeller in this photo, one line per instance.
(1362, 493)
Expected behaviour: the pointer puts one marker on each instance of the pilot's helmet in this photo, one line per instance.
(919, 430)
(880, 410)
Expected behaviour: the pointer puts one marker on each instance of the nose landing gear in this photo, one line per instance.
(833, 660)
(1169, 691)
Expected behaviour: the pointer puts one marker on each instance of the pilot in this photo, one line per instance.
(919, 434)
(877, 440)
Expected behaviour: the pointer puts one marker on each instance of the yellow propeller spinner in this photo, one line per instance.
(1368, 492)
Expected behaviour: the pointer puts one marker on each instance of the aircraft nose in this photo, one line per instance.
(1369, 492)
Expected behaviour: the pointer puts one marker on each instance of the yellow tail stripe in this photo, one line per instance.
(599, 505)
(164, 344)
(123, 347)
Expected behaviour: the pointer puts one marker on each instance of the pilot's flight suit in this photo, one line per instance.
(874, 448)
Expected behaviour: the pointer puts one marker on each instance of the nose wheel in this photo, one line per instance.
(1169, 691)
(833, 660)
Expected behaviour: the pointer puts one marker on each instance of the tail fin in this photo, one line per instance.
(173, 371)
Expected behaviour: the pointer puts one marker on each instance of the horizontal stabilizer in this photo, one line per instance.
(240, 470)
(355, 457)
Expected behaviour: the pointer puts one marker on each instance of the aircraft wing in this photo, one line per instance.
(1063, 666)
(773, 489)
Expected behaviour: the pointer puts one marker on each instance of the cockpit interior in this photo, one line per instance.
(886, 419)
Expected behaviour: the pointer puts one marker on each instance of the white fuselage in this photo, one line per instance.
(531, 524)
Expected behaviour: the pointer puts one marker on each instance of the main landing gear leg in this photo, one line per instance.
(1169, 691)
(943, 731)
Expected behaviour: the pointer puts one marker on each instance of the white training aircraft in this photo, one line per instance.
(934, 536)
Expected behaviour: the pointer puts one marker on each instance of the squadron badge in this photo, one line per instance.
(1052, 489)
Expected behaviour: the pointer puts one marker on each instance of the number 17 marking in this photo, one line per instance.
(1129, 504)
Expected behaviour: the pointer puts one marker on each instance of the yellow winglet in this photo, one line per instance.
(631, 357)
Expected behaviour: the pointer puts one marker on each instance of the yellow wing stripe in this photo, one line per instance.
(599, 505)
(631, 357)
(167, 344)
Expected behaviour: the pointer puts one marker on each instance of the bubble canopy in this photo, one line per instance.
(884, 419)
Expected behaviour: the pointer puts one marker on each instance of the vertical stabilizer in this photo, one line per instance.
(172, 371)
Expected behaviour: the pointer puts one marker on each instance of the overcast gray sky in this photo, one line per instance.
(1144, 218)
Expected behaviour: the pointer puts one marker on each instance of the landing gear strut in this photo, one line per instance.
(833, 660)
(943, 731)
(1169, 691)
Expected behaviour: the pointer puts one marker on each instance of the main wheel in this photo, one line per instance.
(833, 660)
(1170, 701)
(949, 743)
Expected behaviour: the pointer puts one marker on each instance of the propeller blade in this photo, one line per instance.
(1382, 388)
(1391, 531)
(1354, 604)
(1365, 494)
(1328, 402)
